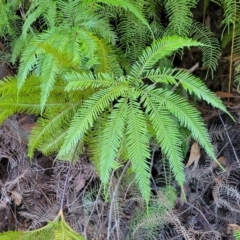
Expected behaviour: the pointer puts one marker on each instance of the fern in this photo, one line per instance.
(160, 105)
(128, 105)
(57, 229)
(146, 226)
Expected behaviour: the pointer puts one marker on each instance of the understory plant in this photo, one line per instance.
(86, 91)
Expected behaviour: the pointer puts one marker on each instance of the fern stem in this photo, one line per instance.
(228, 137)
(67, 178)
(231, 56)
(113, 199)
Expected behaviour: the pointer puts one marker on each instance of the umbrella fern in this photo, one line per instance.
(129, 108)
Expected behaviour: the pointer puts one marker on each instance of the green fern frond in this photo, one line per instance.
(129, 5)
(159, 49)
(85, 117)
(82, 81)
(107, 61)
(49, 74)
(168, 139)
(137, 146)
(111, 138)
(9, 18)
(187, 115)
(94, 139)
(211, 51)
(236, 234)
(58, 229)
(180, 16)
(36, 10)
(55, 120)
(165, 75)
(195, 86)
(230, 8)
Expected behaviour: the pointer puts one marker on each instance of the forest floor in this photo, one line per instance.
(31, 191)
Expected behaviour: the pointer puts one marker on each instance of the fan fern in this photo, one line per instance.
(129, 106)
(82, 81)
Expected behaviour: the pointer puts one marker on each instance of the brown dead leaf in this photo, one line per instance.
(222, 160)
(224, 94)
(79, 182)
(194, 155)
(17, 198)
(207, 22)
(233, 227)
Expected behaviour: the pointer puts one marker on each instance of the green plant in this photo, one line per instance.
(121, 110)
(57, 229)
